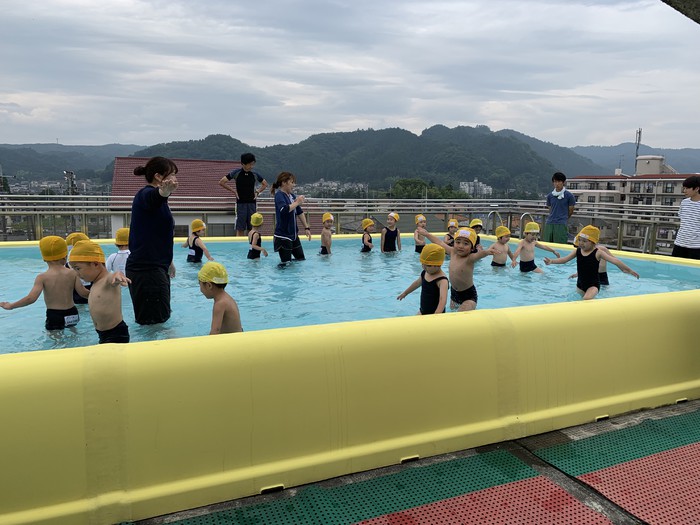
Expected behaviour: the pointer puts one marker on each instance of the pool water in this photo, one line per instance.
(347, 286)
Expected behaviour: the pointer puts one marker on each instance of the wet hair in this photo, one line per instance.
(220, 285)
(156, 165)
(559, 176)
(247, 158)
(692, 182)
(281, 179)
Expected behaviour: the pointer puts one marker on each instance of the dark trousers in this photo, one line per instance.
(287, 249)
(150, 294)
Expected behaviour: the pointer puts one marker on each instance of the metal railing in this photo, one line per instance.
(636, 227)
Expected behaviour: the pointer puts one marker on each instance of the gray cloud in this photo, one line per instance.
(147, 71)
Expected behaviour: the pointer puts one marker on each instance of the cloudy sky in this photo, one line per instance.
(275, 72)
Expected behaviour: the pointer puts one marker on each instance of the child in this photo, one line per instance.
(432, 282)
(419, 239)
(602, 267)
(452, 226)
(57, 283)
(368, 228)
(477, 226)
(71, 239)
(463, 294)
(502, 247)
(195, 245)
(117, 261)
(391, 236)
(105, 301)
(225, 317)
(254, 239)
(588, 258)
(526, 249)
(326, 233)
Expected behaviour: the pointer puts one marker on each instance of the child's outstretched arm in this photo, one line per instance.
(491, 250)
(118, 279)
(547, 248)
(617, 262)
(28, 299)
(204, 248)
(560, 260)
(433, 239)
(412, 287)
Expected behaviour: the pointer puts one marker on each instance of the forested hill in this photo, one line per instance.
(381, 157)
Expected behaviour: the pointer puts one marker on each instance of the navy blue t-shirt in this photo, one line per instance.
(151, 231)
(286, 227)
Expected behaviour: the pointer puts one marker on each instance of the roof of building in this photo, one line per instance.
(623, 177)
(196, 178)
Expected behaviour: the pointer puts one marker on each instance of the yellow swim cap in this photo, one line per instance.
(197, 225)
(468, 233)
(532, 227)
(420, 217)
(394, 215)
(453, 222)
(501, 231)
(327, 217)
(121, 238)
(256, 219)
(86, 251)
(53, 248)
(75, 237)
(213, 272)
(366, 223)
(476, 222)
(432, 255)
(589, 232)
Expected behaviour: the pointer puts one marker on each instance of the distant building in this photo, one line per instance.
(198, 182)
(654, 183)
(476, 189)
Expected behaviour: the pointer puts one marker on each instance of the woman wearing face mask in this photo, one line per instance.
(150, 264)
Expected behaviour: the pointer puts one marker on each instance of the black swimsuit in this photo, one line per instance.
(366, 248)
(430, 295)
(587, 267)
(195, 252)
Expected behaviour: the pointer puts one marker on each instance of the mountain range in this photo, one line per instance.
(441, 155)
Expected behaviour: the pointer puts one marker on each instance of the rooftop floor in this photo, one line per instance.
(633, 469)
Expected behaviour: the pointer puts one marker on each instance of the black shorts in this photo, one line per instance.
(458, 297)
(60, 319)
(528, 266)
(324, 250)
(150, 294)
(118, 334)
(288, 249)
(500, 265)
(688, 253)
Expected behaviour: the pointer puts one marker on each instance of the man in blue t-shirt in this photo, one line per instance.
(561, 204)
(245, 192)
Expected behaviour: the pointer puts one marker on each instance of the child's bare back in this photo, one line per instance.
(226, 318)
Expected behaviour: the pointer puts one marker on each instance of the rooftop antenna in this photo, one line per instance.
(638, 141)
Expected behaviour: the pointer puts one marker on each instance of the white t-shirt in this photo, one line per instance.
(117, 261)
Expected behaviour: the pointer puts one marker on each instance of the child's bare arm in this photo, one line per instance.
(515, 255)
(398, 239)
(80, 288)
(381, 245)
(491, 250)
(412, 287)
(118, 279)
(433, 239)
(28, 299)
(510, 254)
(560, 260)
(547, 248)
(417, 237)
(205, 251)
(617, 262)
(443, 287)
(217, 317)
(365, 240)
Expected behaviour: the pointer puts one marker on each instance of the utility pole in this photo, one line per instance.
(638, 141)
